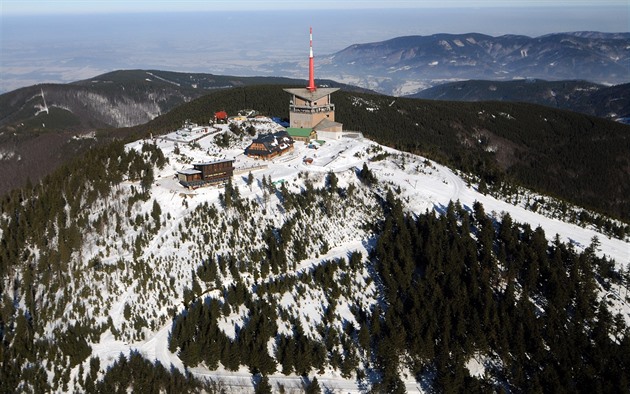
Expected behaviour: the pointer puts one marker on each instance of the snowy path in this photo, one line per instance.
(156, 348)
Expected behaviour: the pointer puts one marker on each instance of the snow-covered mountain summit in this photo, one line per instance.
(287, 262)
(405, 65)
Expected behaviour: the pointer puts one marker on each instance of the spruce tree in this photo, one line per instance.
(263, 386)
(250, 180)
(313, 387)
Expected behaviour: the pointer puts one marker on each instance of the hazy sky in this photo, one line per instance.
(9, 7)
(69, 40)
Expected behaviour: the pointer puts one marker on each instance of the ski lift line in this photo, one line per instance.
(44, 100)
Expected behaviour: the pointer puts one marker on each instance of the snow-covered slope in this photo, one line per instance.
(423, 186)
(148, 253)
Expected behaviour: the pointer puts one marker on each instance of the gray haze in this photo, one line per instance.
(65, 48)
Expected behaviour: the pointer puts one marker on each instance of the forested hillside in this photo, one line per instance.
(262, 281)
(372, 269)
(611, 102)
(453, 287)
(578, 158)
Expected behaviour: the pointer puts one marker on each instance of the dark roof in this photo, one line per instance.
(275, 142)
(311, 95)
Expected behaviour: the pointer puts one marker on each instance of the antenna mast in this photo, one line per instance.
(311, 66)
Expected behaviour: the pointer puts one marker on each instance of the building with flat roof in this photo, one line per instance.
(308, 108)
(202, 174)
(329, 129)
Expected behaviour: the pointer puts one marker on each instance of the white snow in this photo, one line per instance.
(7, 155)
(445, 45)
(479, 363)
(475, 367)
(85, 136)
(170, 257)
(163, 79)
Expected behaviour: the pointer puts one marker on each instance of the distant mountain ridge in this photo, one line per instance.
(611, 102)
(405, 65)
(121, 98)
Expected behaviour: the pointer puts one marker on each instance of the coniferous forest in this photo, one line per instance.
(453, 286)
(435, 291)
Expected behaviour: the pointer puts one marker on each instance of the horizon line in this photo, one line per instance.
(8, 12)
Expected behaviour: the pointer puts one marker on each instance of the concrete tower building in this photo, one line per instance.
(311, 108)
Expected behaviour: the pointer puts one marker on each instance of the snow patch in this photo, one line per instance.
(86, 136)
(163, 79)
(7, 155)
(444, 44)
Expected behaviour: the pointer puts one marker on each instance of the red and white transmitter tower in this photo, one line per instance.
(311, 66)
(311, 113)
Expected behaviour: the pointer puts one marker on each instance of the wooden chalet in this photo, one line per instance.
(203, 174)
(268, 146)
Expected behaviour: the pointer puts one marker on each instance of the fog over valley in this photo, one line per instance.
(66, 48)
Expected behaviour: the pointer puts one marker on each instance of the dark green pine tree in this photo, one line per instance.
(156, 212)
(230, 355)
(250, 180)
(147, 179)
(366, 176)
(285, 354)
(332, 182)
(313, 387)
(263, 386)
